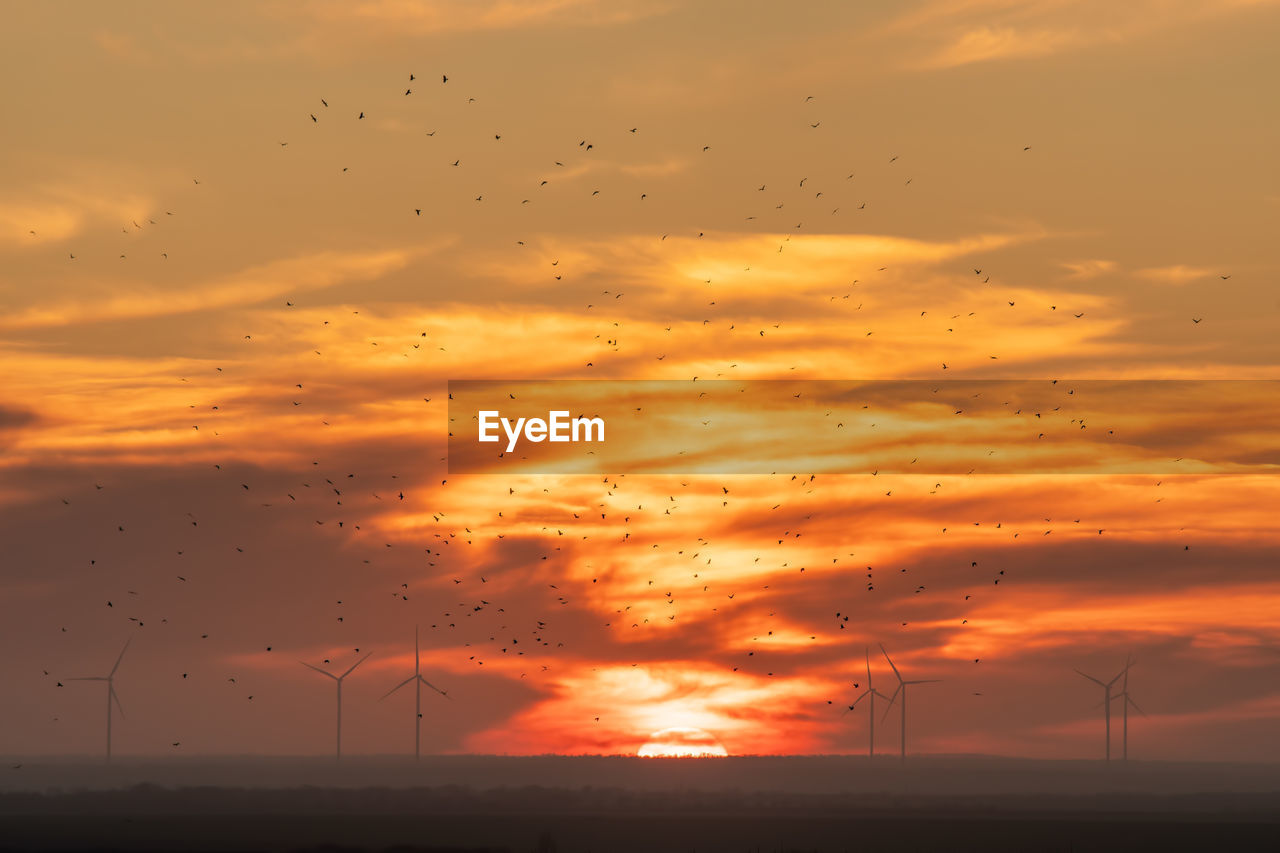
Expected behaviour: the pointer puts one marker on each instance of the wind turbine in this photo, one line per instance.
(1128, 700)
(873, 693)
(902, 688)
(1106, 699)
(417, 681)
(338, 679)
(111, 692)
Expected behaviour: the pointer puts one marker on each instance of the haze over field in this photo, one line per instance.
(244, 247)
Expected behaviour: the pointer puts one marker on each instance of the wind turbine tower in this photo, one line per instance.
(1106, 700)
(338, 679)
(417, 680)
(902, 688)
(872, 693)
(1128, 700)
(112, 698)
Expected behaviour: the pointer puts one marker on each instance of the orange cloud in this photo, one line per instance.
(250, 286)
(448, 16)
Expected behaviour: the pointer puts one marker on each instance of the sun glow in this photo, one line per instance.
(681, 742)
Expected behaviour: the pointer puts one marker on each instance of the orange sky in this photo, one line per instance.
(223, 359)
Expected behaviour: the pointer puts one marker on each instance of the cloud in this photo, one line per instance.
(662, 168)
(615, 709)
(453, 16)
(56, 212)
(12, 421)
(124, 47)
(250, 286)
(1174, 274)
(755, 264)
(12, 417)
(951, 35)
(1086, 269)
(655, 169)
(983, 44)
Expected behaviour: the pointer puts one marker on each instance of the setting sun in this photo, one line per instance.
(682, 742)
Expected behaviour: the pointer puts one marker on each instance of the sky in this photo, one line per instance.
(243, 251)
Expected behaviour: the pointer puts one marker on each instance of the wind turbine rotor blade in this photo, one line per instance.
(892, 699)
(319, 670)
(890, 660)
(112, 690)
(868, 654)
(1094, 680)
(1124, 673)
(122, 651)
(408, 680)
(1129, 699)
(354, 665)
(861, 696)
(433, 687)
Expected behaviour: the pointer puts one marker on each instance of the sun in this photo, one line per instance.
(681, 742)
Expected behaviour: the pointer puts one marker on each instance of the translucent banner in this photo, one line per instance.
(854, 426)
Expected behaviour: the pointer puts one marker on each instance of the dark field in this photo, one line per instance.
(623, 804)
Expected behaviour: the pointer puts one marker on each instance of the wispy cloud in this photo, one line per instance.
(250, 286)
(951, 34)
(59, 211)
(1174, 274)
(1088, 268)
(447, 16)
(124, 47)
(982, 44)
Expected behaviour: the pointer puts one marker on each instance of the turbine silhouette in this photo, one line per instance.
(873, 693)
(417, 681)
(902, 688)
(1128, 700)
(112, 698)
(338, 679)
(1106, 700)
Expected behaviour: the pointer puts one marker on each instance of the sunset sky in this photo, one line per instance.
(230, 307)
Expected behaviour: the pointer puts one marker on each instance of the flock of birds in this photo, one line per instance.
(499, 578)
